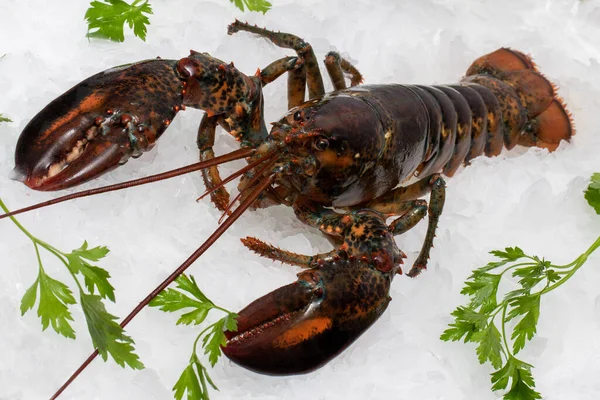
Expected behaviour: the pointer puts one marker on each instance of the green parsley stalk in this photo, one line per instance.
(55, 298)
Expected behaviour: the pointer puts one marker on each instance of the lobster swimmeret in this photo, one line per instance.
(349, 149)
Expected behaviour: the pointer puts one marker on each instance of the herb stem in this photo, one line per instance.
(14, 220)
(577, 264)
(508, 353)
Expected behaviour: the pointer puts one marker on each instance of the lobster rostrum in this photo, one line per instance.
(348, 150)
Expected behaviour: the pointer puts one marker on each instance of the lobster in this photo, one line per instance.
(338, 159)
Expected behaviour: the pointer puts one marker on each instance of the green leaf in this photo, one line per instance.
(93, 254)
(28, 300)
(171, 300)
(189, 285)
(231, 322)
(196, 316)
(592, 193)
(188, 382)
(522, 305)
(95, 277)
(482, 290)
(552, 276)
(519, 373)
(53, 309)
(501, 377)
(108, 336)
(526, 328)
(459, 329)
(509, 253)
(3, 118)
(466, 323)
(490, 345)
(523, 385)
(253, 5)
(106, 19)
(213, 341)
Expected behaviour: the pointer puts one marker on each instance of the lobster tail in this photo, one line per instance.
(532, 112)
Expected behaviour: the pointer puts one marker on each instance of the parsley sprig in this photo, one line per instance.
(479, 320)
(107, 18)
(4, 119)
(55, 298)
(195, 379)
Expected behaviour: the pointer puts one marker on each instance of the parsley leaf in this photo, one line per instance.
(213, 341)
(509, 253)
(55, 297)
(253, 5)
(108, 336)
(194, 379)
(94, 277)
(106, 19)
(490, 345)
(592, 193)
(4, 119)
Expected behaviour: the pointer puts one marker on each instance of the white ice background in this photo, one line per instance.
(526, 197)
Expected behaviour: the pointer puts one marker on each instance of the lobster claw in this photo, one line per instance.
(301, 326)
(98, 124)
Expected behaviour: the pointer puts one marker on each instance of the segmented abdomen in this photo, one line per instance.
(503, 101)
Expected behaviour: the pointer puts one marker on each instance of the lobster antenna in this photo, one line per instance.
(234, 155)
(205, 246)
(256, 177)
(238, 173)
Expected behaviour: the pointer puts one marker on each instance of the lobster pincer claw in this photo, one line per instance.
(299, 327)
(98, 124)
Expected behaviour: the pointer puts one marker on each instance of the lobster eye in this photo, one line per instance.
(321, 144)
(298, 116)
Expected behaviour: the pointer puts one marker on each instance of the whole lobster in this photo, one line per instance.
(346, 150)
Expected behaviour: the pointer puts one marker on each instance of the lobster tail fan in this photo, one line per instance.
(547, 120)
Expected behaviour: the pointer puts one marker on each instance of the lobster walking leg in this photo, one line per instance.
(289, 41)
(401, 201)
(337, 66)
(417, 209)
(436, 204)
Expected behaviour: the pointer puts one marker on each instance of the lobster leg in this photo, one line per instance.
(436, 204)
(398, 202)
(337, 66)
(416, 212)
(289, 41)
